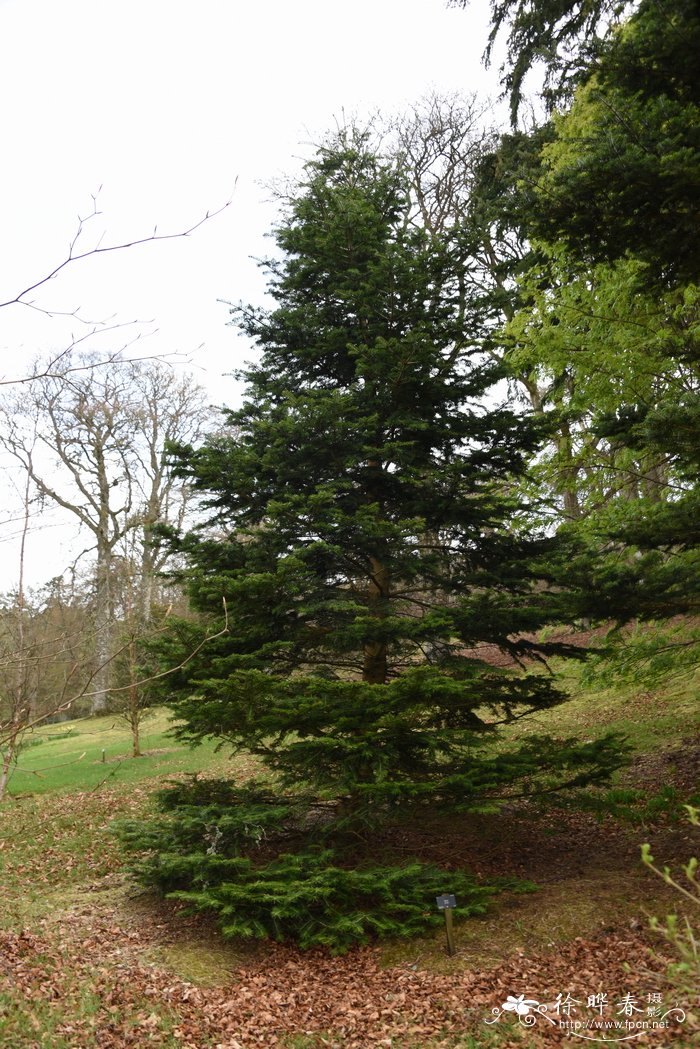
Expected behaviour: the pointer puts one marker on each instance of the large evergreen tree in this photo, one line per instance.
(622, 176)
(360, 532)
(612, 203)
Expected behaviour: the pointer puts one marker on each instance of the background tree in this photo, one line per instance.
(91, 438)
(143, 603)
(562, 37)
(44, 641)
(595, 343)
(361, 537)
(17, 701)
(612, 202)
(621, 175)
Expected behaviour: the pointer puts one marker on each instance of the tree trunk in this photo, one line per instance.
(103, 629)
(374, 670)
(135, 738)
(654, 483)
(134, 707)
(568, 474)
(7, 759)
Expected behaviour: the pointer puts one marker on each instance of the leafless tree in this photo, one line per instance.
(17, 701)
(170, 409)
(92, 441)
(41, 652)
(440, 142)
(14, 727)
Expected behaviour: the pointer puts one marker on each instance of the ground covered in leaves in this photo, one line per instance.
(87, 961)
(95, 978)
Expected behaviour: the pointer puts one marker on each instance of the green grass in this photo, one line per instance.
(72, 1011)
(651, 720)
(55, 834)
(69, 756)
(53, 845)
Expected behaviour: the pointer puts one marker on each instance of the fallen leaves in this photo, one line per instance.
(80, 976)
(353, 1000)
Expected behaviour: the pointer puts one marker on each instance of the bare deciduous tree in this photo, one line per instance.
(17, 701)
(92, 441)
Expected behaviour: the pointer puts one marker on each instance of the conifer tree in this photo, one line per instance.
(613, 198)
(362, 534)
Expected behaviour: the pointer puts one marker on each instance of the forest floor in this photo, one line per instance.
(87, 960)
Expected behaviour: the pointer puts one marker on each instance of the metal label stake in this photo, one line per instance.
(447, 903)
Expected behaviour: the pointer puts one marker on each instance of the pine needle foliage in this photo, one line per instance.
(361, 533)
(261, 861)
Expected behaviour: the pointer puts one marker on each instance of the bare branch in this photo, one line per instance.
(85, 692)
(74, 255)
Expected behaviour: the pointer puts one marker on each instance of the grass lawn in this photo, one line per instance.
(651, 720)
(87, 753)
(90, 752)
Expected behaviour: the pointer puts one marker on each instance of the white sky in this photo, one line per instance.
(168, 106)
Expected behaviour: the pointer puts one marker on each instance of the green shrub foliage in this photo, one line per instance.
(315, 895)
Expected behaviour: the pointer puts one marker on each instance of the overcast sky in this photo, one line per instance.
(173, 108)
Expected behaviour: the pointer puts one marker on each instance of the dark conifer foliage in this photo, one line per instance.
(625, 178)
(362, 534)
(564, 36)
(609, 191)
